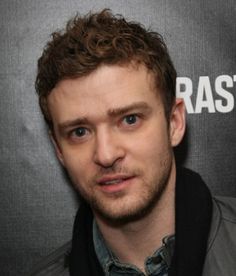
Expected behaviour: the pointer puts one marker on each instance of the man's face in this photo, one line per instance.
(112, 136)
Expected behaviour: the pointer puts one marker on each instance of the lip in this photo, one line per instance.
(115, 183)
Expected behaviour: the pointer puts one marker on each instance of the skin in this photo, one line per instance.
(111, 134)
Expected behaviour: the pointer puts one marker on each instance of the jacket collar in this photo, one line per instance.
(215, 223)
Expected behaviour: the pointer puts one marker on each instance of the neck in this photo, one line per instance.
(135, 241)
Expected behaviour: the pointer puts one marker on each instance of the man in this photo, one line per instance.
(107, 91)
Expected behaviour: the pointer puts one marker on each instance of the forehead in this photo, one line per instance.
(106, 88)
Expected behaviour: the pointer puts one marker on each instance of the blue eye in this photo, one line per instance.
(80, 131)
(131, 119)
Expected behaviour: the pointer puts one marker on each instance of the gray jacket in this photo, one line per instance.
(221, 252)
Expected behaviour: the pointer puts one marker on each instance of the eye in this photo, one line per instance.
(130, 119)
(79, 132)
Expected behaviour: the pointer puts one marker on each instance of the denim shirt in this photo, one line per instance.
(155, 265)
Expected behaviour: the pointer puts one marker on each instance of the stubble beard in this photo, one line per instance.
(143, 206)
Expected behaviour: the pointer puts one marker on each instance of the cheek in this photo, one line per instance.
(155, 154)
(77, 164)
(153, 142)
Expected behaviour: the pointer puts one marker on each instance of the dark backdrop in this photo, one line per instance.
(37, 204)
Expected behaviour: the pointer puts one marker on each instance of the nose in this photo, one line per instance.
(108, 149)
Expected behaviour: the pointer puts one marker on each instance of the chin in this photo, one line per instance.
(122, 213)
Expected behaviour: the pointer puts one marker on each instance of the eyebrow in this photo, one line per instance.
(115, 112)
(122, 110)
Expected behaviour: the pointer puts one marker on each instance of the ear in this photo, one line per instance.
(177, 122)
(56, 147)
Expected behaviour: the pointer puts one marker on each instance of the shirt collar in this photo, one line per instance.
(161, 257)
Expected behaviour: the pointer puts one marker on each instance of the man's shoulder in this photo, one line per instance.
(227, 208)
(221, 252)
(55, 264)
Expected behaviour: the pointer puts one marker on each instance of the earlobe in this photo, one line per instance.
(56, 147)
(177, 122)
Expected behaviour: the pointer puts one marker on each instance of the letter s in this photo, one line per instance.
(229, 105)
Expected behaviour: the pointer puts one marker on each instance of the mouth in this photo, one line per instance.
(114, 184)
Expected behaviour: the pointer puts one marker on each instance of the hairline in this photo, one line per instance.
(135, 63)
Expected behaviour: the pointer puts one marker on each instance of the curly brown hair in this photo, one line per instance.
(103, 38)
